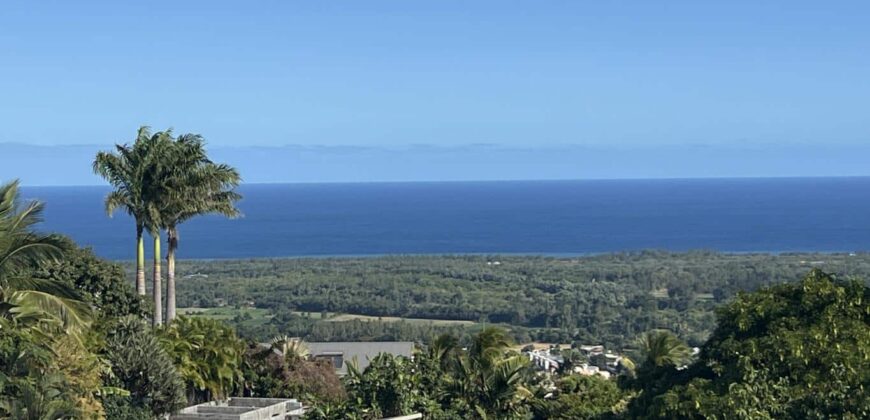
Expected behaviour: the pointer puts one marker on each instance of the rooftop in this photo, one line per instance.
(360, 353)
(242, 409)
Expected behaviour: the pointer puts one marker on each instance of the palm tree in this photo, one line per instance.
(127, 171)
(291, 348)
(489, 345)
(192, 185)
(443, 350)
(25, 299)
(42, 400)
(208, 355)
(160, 171)
(490, 377)
(662, 348)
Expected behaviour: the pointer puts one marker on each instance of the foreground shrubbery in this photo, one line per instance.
(798, 350)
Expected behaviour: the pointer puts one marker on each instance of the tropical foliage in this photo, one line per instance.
(284, 368)
(190, 185)
(578, 397)
(45, 303)
(208, 355)
(129, 171)
(102, 284)
(489, 381)
(799, 351)
(45, 370)
(141, 365)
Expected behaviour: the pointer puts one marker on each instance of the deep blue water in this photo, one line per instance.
(548, 217)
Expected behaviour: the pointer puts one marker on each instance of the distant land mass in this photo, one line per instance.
(71, 165)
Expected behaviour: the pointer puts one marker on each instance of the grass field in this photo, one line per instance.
(351, 317)
(258, 315)
(226, 312)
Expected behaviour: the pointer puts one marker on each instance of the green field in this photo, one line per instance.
(255, 316)
(226, 312)
(351, 317)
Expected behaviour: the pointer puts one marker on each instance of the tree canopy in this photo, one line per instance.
(797, 350)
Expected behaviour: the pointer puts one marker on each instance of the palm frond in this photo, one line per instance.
(73, 315)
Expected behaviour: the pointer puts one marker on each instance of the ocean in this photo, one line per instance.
(516, 217)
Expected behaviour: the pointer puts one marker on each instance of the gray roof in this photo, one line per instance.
(359, 352)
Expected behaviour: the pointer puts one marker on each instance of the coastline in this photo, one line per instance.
(541, 255)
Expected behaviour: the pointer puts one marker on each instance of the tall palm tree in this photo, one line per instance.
(127, 171)
(22, 298)
(192, 186)
(161, 192)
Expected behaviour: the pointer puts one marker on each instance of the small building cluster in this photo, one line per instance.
(553, 361)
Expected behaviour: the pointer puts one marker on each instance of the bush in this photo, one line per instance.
(141, 365)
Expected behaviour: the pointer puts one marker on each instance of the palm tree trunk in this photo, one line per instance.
(172, 238)
(140, 262)
(158, 297)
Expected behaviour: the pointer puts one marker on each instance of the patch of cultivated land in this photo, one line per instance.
(226, 312)
(351, 317)
(265, 314)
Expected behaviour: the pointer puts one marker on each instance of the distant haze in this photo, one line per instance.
(71, 165)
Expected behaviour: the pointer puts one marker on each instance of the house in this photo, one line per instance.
(592, 350)
(546, 361)
(587, 370)
(360, 353)
(612, 360)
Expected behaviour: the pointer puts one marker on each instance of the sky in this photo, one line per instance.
(778, 77)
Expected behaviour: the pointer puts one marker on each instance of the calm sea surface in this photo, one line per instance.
(535, 217)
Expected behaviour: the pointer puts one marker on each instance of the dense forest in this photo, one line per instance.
(608, 299)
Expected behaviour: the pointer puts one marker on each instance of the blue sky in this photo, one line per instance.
(448, 73)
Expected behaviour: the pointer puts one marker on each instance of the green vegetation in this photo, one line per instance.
(46, 305)
(142, 366)
(796, 350)
(581, 397)
(793, 351)
(47, 368)
(608, 299)
(126, 172)
(74, 342)
(489, 380)
(270, 374)
(208, 356)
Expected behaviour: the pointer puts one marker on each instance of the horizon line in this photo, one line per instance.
(494, 181)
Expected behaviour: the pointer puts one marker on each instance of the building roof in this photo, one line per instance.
(358, 352)
(242, 409)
